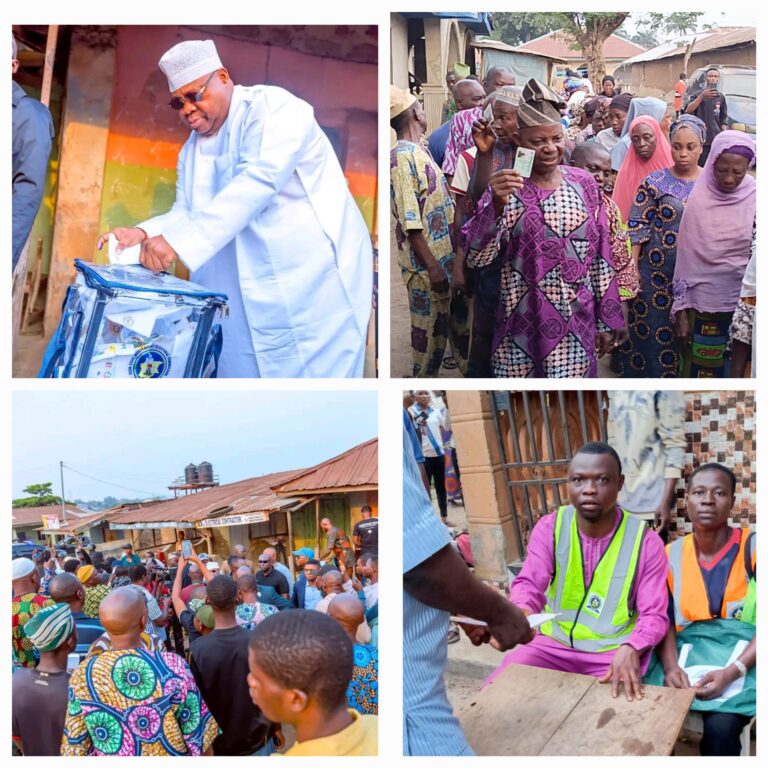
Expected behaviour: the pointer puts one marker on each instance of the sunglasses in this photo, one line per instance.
(177, 102)
(264, 562)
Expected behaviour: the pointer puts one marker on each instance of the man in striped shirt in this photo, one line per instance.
(436, 581)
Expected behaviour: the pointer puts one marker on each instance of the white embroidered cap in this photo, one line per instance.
(189, 60)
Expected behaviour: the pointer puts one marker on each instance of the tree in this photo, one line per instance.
(590, 31)
(519, 28)
(676, 24)
(40, 496)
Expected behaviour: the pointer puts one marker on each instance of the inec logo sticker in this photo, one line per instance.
(150, 362)
(594, 604)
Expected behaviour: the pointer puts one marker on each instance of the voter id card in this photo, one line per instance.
(524, 161)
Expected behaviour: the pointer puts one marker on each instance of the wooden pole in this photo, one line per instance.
(50, 57)
(317, 524)
(291, 543)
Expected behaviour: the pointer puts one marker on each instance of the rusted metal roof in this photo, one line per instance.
(498, 45)
(24, 516)
(713, 39)
(559, 44)
(357, 468)
(232, 498)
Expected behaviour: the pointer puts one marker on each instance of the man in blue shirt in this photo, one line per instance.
(129, 558)
(436, 581)
(306, 593)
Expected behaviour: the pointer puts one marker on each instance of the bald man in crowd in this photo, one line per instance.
(467, 94)
(362, 693)
(498, 77)
(107, 690)
(67, 588)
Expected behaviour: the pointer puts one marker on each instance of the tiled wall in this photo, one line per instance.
(720, 426)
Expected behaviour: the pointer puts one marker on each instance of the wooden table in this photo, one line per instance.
(532, 711)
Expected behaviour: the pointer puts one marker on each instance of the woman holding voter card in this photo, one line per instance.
(559, 306)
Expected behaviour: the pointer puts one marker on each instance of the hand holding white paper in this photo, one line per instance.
(537, 619)
(534, 620)
(129, 255)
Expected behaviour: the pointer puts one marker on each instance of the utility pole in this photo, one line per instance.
(63, 507)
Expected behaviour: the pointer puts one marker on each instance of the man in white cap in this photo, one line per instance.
(263, 214)
(26, 603)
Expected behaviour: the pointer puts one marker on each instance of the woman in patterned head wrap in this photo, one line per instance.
(653, 225)
(559, 305)
(714, 248)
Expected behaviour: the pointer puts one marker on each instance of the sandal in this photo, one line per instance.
(449, 363)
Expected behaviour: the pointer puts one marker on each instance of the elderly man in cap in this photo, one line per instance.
(263, 214)
(25, 604)
(39, 696)
(559, 301)
(423, 209)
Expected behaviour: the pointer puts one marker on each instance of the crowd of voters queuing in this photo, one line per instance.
(124, 656)
(626, 604)
(631, 235)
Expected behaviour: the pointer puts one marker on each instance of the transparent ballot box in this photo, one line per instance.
(123, 321)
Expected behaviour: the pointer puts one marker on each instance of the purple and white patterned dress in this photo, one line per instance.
(558, 282)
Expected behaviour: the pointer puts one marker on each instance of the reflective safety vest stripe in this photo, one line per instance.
(689, 592)
(596, 616)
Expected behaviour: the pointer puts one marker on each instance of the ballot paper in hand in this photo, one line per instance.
(534, 620)
(537, 619)
(697, 671)
(129, 255)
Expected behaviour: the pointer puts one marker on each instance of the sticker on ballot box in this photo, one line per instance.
(524, 161)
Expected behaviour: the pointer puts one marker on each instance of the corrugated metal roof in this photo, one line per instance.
(23, 516)
(711, 40)
(242, 496)
(357, 467)
(558, 43)
(498, 45)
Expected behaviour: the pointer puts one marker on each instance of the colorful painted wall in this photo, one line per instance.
(145, 135)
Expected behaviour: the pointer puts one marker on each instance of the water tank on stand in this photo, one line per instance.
(205, 472)
(190, 474)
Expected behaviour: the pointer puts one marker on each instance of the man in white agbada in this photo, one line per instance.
(263, 214)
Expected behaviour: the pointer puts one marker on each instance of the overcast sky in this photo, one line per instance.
(143, 441)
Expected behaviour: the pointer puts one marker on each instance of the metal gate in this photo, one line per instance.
(538, 434)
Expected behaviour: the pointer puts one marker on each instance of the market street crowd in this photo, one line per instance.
(192, 657)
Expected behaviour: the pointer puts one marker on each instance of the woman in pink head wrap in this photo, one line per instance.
(650, 151)
(714, 246)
